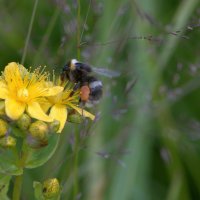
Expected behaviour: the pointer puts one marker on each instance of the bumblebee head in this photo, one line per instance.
(70, 66)
(68, 70)
(73, 64)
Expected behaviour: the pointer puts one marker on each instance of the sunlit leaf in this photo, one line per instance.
(4, 186)
(9, 162)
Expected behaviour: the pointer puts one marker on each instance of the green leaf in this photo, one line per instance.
(9, 161)
(4, 185)
(38, 190)
(37, 157)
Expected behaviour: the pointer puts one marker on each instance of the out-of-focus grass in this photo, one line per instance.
(145, 144)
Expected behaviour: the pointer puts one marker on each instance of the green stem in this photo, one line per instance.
(75, 166)
(180, 20)
(17, 187)
(47, 35)
(76, 142)
(78, 30)
(29, 32)
(19, 178)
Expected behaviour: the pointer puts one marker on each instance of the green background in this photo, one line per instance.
(145, 143)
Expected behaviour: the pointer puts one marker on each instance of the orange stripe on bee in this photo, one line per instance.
(85, 93)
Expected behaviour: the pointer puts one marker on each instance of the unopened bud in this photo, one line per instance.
(38, 136)
(24, 122)
(51, 188)
(75, 118)
(8, 141)
(2, 107)
(39, 130)
(36, 143)
(54, 126)
(3, 128)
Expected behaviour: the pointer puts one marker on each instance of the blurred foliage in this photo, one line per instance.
(145, 143)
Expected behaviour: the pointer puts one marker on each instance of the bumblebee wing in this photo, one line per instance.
(83, 67)
(106, 72)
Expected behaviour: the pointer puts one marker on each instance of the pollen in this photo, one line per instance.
(85, 93)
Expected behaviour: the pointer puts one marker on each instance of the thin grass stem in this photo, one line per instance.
(47, 34)
(78, 30)
(85, 21)
(29, 32)
(76, 141)
(75, 167)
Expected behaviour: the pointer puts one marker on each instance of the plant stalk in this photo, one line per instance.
(76, 139)
(19, 178)
(75, 167)
(78, 30)
(29, 32)
(17, 187)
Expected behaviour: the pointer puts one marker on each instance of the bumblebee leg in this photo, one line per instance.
(62, 77)
(76, 87)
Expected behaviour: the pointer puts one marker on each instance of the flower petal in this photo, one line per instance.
(2, 83)
(82, 112)
(12, 66)
(34, 109)
(3, 90)
(12, 72)
(59, 112)
(51, 91)
(14, 109)
(45, 104)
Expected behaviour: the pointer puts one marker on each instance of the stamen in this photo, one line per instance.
(22, 94)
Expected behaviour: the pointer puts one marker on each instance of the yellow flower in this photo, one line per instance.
(62, 102)
(23, 90)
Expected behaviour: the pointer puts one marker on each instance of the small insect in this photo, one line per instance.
(91, 88)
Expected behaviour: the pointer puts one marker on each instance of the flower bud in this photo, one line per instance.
(75, 118)
(51, 188)
(3, 128)
(24, 122)
(38, 136)
(54, 126)
(39, 130)
(2, 107)
(8, 141)
(36, 143)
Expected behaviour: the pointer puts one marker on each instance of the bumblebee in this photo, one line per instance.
(91, 89)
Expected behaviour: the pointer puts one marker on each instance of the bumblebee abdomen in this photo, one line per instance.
(96, 90)
(95, 84)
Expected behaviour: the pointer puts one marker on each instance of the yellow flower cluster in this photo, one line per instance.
(32, 92)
